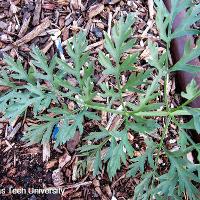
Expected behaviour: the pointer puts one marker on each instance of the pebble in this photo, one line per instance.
(3, 25)
(53, 197)
(33, 197)
(27, 180)
(39, 169)
(97, 32)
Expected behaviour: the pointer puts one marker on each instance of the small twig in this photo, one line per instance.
(121, 177)
(77, 185)
(109, 23)
(89, 47)
(151, 9)
(14, 131)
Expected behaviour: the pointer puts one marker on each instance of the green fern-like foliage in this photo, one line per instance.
(46, 89)
(44, 85)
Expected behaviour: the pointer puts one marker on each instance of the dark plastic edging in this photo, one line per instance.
(183, 78)
(177, 48)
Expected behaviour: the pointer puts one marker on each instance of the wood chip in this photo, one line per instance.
(25, 24)
(48, 45)
(48, 6)
(34, 33)
(95, 10)
(109, 23)
(34, 150)
(3, 25)
(78, 185)
(37, 11)
(108, 190)
(63, 2)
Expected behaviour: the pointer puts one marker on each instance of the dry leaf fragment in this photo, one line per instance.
(95, 10)
(63, 2)
(63, 160)
(108, 190)
(57, 177)
(51, 164)
(49, 6)
(76, 5)
(13, 8)
(112, 2)
(73, 142)
(12, 134)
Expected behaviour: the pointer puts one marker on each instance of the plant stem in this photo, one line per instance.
(141, 114)
(162, 138)
(159, 148)
(120, 88)
(98, 107)
(150, 91)
(166, 91)
(188, 137)
(167, 78)
(187, 102)
(161, 113)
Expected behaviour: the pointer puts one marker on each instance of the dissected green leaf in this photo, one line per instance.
(165, 19)
(127, 64)
(189, 55)
(137, 80)
(191, 16)
(68, 126)
(143, 125)
(142, 190)
(40, 133)
(138, 163)
(17, 68)
(180, 179)
(196, 116)
(192, 90)
(117, 152)
(155, 60)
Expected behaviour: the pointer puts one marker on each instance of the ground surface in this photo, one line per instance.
(23, 167)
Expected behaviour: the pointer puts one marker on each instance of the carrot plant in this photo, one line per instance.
(47, 90)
